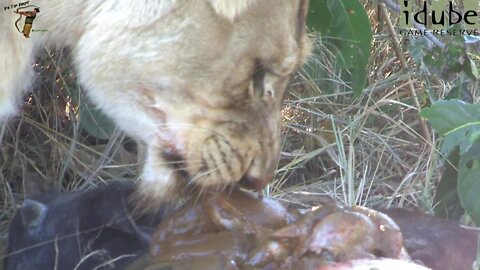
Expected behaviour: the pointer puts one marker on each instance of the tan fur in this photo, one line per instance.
(200, 82)
(231, 8)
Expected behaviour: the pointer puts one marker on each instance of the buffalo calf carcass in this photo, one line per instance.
(78, 230)
(437, 243)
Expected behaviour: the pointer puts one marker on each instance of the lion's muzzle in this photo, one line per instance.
(234, 155)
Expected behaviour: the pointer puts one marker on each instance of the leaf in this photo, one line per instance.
(448, 116)
(448, 62)
(348, 33)
(416, 47)
(91, 120)
(459, 123)
(471, 69)
(319, 17)
(95, 123)
(447, 202)
(460, 90)
(469, 182)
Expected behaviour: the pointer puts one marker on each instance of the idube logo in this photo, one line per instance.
(438, 17)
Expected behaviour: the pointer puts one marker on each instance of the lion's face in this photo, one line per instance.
(234, 131)
(206, 90)
(241, 139)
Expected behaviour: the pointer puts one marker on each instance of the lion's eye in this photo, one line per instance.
(258, 80)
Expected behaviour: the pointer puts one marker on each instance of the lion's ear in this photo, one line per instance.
(231, 8)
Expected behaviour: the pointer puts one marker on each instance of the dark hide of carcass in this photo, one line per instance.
(437, 243)
(81, 230)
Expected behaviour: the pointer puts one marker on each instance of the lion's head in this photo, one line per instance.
(203, 86)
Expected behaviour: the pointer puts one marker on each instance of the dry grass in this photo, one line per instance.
(44, 148)
(365, 150)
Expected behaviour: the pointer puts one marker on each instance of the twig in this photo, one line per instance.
(394, 7)
(403, 63)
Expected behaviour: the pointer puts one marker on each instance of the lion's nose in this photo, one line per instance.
(260, 172)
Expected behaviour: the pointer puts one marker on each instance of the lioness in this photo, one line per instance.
(200, 82)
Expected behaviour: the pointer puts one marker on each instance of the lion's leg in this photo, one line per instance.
(159, 177)
(26, 30)
(16, 58)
